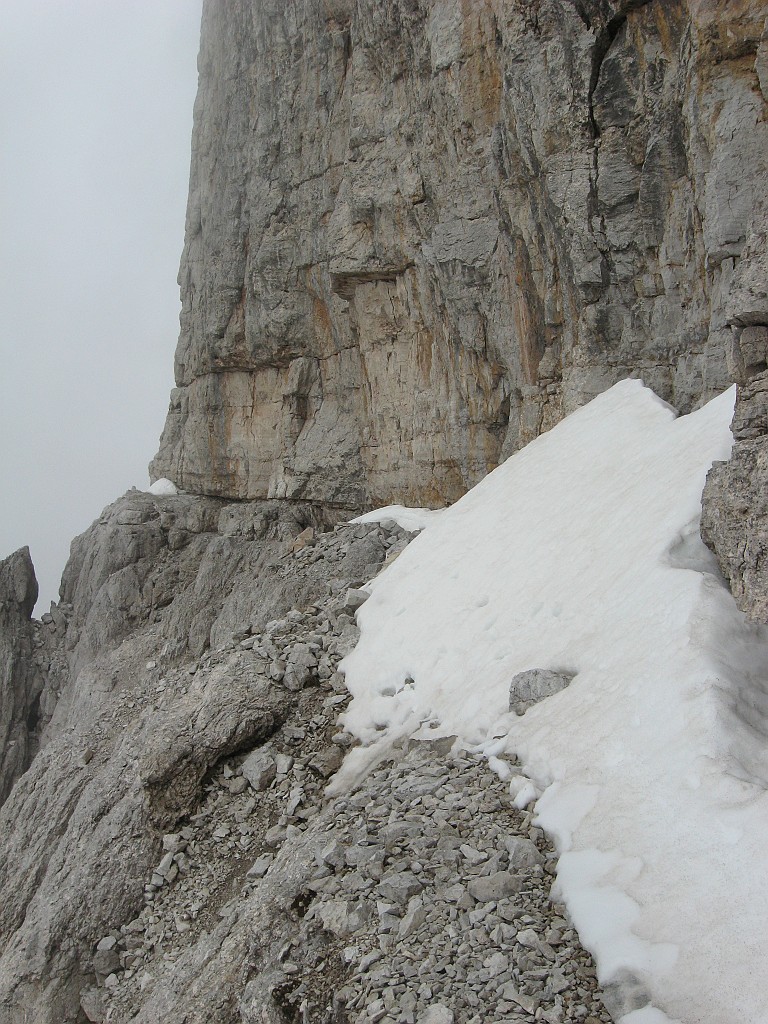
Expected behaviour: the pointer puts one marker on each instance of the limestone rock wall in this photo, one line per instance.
(735, 500)
(420, 232)
(735, 505)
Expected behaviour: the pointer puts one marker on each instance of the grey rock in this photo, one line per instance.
(511, 994)
(301, 667)
(283, 763)
(400, 887)
(413, 919)
(355, 599)
(327, 761)
(454, 892)
(342, 917)
(173, 843)
(522, 853)
(21, 682)
(93, 1005)
(388, 923)
(536, 684)
(277, 671)
(106, 961)
(275, 836)
(494, 887)
(437, 1013)
(333, 854)
(735, 503)
(497, 964)
(260, 769)
(162, 869)
(374, 315)
(305, 539)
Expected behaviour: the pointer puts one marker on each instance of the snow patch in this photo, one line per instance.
(583, 550)
(410, 519)
(163, 487)
(648, 1015)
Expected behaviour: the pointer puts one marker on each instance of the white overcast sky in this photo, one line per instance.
(96, 104)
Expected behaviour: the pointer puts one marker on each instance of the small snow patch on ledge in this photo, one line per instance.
(410, 519)
(163, 487)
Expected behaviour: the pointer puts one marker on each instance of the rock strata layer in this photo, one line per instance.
(420, 232)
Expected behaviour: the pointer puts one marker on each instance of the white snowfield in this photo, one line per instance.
(582, 553)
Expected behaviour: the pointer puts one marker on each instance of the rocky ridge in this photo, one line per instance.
(155, 582)
(426, 890)
(198, 793)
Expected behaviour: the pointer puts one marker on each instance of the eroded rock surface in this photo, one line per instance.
(145, 710)
(171, 853)
(423, 890)
(735, 504)
(420, 232)
(20, 681)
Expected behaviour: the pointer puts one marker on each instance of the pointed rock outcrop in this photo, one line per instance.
(20, 678)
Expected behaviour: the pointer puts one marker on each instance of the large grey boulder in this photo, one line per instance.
(260, 769)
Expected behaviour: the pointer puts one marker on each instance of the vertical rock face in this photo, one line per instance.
(20, 682)
(420, 232)
(735, 506)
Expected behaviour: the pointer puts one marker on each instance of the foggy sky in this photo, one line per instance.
(96, 104)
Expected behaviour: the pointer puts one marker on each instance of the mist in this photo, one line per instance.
(95, 119)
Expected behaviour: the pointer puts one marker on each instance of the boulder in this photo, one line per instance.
(529, 687)
(260, 769)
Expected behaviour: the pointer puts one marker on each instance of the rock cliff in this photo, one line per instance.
(420, 232)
